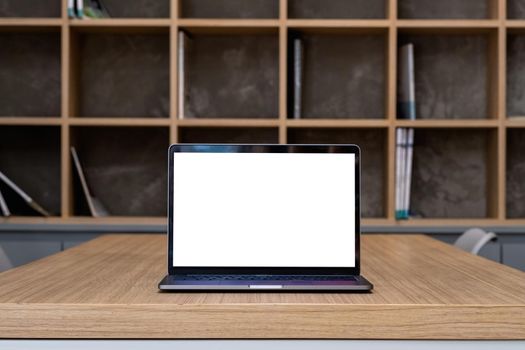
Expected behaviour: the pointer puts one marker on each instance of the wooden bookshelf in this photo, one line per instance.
(109, 87)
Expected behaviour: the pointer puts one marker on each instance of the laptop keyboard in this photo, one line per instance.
(264, 278)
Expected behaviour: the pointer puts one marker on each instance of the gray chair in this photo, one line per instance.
(5, 263)
(472, 240)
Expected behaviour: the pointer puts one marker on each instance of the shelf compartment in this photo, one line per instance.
(515, 170)
(138, 8)
(30, 71)
(374, 159)
(446, 9)
(232, 75)
(229, 9)
(264, 135)
(454, 74)
(337, 9)
(31, 8)
(344, 75)
(125, 168)
(30, 156)
(452, 177)
(516, 9)
(515, 73)
(121, 75)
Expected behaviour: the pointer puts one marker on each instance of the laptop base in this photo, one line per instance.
(266, 284)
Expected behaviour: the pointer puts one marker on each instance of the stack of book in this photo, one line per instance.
(405, 136)
(297, 77)
(182, 58)
(86, 9)
(10, 185)
(96, 208)
(404, 156)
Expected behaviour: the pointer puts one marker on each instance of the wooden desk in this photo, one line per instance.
(107, 288)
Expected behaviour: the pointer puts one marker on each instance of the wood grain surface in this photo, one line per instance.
(107, 288)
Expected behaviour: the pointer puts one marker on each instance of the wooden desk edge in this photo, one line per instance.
(272, 321)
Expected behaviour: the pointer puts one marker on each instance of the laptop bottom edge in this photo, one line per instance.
(360, 284)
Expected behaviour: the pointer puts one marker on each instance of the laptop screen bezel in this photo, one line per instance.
(264, 148)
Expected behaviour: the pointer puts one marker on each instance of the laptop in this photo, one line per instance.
(264, 218)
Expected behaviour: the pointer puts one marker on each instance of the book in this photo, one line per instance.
(3, 206)
(400, 169)
(95, 9)
(96, 207)
(30, 201)
(80, 8)
(409, 151)
(71, 13)
(407, 91)
(298, 77)
(181, 68)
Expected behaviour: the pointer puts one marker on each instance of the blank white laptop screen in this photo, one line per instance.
(263, 209)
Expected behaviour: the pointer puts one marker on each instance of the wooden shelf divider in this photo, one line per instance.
(492, 128)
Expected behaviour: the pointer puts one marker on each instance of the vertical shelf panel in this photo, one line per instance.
(373, 147)
(229, 9)
(30, 156)
(344, 76)
(30, 74)
(138, 8)
(337, 9)
(444, 9)
(31, 8)
(232, 76)
(125, 168)
(452, 75)
(123, 75)
(451, 173)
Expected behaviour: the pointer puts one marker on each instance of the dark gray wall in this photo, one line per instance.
(229, 8)
(443, 9)
(124, 75)
(516, 9)
(515, 194)
(234, 76)
(344, 76)
(337, 8)
(30, 157)
(373, 146)
(138, 8)
(125, 168)
(30, 8)
(229, 135)
(515, 75)
(449, 178)
(451, 75)
(30, 74)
